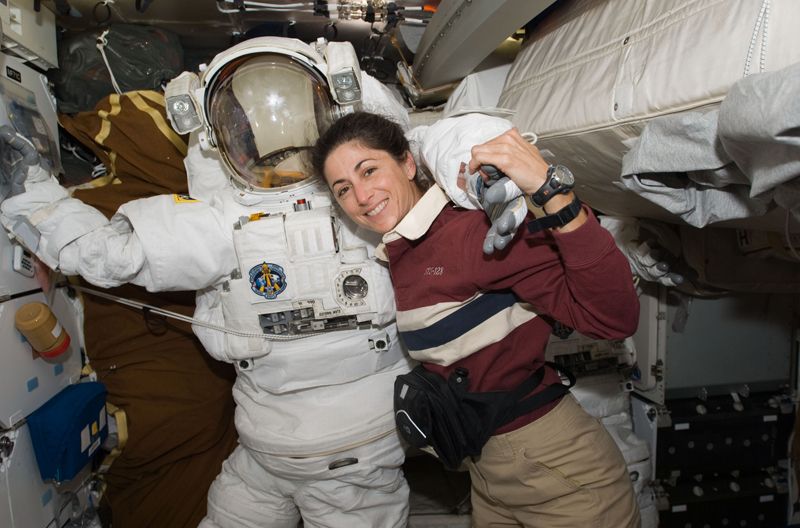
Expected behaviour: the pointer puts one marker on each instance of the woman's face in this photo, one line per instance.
(371, 186)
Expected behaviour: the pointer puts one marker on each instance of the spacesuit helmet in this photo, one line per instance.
(263, 104)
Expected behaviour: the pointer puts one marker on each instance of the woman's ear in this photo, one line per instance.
(410, 166)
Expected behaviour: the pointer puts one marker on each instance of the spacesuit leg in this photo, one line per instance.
(362, 487)
(245, 495)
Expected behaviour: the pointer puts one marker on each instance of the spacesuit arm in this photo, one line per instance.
(185, 242)
(146, 243)
(378, 99)
(445, 149)
(446, 144)
(45, 219)
(149, 242)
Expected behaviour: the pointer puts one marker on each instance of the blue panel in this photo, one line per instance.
(33, 384)
(58, 369)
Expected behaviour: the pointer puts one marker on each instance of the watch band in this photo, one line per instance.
(560, 218)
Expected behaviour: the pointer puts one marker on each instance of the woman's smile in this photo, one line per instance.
(380, 207)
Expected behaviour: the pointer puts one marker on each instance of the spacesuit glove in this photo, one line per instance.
(503, 203)
(37, 210)
(644, 259)
(27, 187)
(501, 190)
(506, 218)
(21, 161)
(506, 207)
(646, 263)
(445, 147)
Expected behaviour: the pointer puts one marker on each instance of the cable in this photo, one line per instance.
(263, 6)
(530, 137)
(7, 473)
(102, 42)
(272, 10)
(99, 170)
(416, 21)
(187, 319)
(279, 6)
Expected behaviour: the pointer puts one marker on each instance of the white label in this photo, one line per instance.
(771, 418)
(56, 331)
(766, 498)
(679, 508)
(94, 447)
(682, 426)
(86, 438)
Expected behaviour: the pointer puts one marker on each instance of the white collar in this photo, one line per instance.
(417, 221)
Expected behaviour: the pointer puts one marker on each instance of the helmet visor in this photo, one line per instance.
(266, 112)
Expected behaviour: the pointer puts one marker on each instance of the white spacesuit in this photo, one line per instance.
(288, 290)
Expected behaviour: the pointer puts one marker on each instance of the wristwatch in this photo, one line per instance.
(559, 181)
(560, 218)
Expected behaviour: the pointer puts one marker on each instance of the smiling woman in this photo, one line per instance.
(479, 325)
(366, 161)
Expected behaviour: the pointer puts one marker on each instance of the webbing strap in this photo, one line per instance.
(519, 405)
(122, 436)
(546, 396)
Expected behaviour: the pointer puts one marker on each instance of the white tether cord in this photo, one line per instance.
(263, 6)
(102, 42)
(530, 137)
(6, 474)
(187, 319)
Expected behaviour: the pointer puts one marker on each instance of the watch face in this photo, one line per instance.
(559, 181)
(564, 175)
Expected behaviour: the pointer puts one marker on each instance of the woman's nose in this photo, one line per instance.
(362, 193)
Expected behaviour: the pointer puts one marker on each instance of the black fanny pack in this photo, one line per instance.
(442, 415)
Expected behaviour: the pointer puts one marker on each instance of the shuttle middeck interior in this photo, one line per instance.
(680, 120)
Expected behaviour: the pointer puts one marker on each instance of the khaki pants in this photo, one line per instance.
(561, 471)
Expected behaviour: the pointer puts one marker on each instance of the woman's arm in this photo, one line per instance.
(523, 163)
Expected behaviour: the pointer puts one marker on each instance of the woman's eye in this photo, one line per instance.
(369, 171)
(342, 190)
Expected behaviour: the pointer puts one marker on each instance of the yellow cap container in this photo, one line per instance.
(42, 330)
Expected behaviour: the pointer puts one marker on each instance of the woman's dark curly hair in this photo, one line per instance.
(370, 130)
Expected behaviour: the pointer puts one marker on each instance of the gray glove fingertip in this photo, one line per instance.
(488, 240)
(504, 224)
(500, 242)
